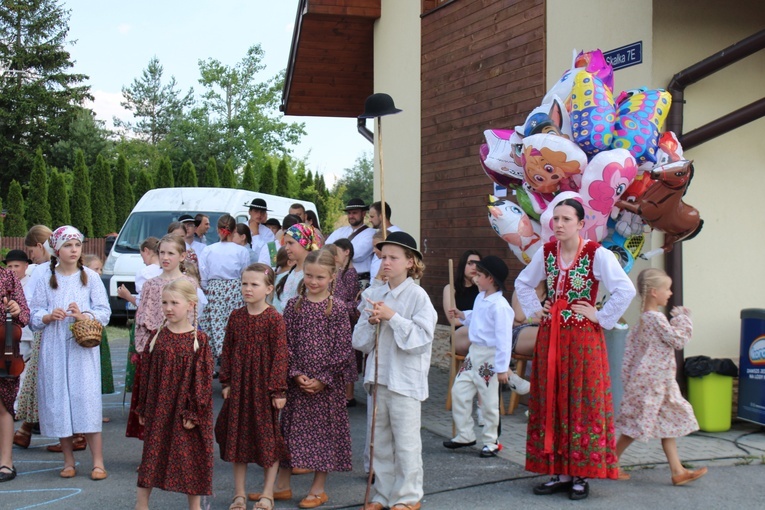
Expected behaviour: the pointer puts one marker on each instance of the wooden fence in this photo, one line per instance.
(91, 245)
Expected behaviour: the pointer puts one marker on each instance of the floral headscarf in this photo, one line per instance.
(63, 234)
(305, 235)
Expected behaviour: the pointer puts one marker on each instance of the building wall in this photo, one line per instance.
(721, 270)
(397, 72)
(482, 67)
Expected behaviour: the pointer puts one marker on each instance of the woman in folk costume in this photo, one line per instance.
(69, 375)
(571, 422)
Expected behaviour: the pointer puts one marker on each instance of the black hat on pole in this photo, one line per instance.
(378, 105)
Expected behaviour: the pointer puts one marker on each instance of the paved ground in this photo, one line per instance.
(452, 479)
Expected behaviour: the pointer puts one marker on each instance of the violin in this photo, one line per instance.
(11, 363)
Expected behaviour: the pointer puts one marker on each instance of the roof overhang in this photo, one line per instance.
(331, 63)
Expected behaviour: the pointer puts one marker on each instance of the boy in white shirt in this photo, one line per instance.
(487, 363)
(407, 321)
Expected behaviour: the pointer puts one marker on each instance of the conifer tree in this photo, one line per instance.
(283, 179)
(227, 177)
(165, 174)
(37, 207)
(249, 181)
(81, 213)
(102, 198)
(187, 177)
(211, 174)
(267, 182)
(58, 197)
(143, 184)
(15, 225)
(123, 193)
(2, 222)
(308, 181)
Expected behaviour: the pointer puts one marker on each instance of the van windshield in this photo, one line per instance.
(141, 225)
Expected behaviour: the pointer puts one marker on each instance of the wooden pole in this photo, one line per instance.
(382, 179)
(453, 363)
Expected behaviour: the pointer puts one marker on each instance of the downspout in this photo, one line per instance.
(673, 261)
(361, 125)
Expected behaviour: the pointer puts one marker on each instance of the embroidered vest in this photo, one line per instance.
(577, 283)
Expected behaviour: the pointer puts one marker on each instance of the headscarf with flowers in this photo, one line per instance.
(63, 234)
(306, 236)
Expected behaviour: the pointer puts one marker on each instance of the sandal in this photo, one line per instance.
(265, 506)
(98, 473)
(22, 437)
(239, 503)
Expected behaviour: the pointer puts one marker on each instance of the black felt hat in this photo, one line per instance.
(378, 105)
(494, 267)
(17, 256)
(401, 239)
(186, 218)
(356, 203)
(273, 222)
(258, 203)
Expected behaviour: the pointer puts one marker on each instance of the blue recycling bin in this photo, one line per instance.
(751, 382)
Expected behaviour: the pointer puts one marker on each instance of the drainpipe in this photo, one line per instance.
(361, 125)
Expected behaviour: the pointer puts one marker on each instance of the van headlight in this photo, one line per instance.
(111, 260)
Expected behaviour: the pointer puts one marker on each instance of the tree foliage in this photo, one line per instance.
(249, 181)
(282, 179)
(165, 174)
(15, 225)
(102, 198)
(39, 97)
(187, 176)
(143, 183)
(211, 174)
(358, 180)
(80, 208)
(267, 180)
(86, 133)
(123, 192)
(38, 210)
(227, 177)
(58, 197)
(155, 105)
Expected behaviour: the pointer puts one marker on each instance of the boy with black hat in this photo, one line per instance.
(407, 321)
(487, 364)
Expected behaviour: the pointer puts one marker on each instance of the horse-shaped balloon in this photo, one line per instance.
(662, 206)
(513, 225)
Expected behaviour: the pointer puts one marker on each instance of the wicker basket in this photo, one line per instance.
(87, 333)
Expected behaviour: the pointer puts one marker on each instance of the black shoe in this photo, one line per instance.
(551, 488)
(453, 445)
(350, 403)
(579, 494)
(487, 453)
(7, 477)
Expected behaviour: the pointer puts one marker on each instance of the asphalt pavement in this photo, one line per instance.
(453, 479)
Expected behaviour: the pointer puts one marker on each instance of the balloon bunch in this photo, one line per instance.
(609, 154)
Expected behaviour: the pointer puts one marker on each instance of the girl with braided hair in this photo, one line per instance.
(175, 403)
(69, 375)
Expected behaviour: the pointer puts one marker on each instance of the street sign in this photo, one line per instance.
(626, 56)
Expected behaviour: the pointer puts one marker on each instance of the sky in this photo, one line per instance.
(114, 41)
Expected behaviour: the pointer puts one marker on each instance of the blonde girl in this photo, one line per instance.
(38, 247)
(220, 266)
(171, 251)
(69, 375)
(315, 420)
(253, 375)
(95, 263)
(175, 403)
(298, 240)
(652, 406)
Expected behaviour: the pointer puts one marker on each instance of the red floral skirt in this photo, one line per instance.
(579, 403)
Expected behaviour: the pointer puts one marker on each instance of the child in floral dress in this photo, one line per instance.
(652, 406)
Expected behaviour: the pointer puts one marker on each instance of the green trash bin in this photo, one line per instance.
(712, 399)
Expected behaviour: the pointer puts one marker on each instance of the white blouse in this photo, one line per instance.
(223, 261)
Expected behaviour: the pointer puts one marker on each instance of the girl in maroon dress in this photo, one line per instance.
(175, 403)
(315, 420)
(253, 374)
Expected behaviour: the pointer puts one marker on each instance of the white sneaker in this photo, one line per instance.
(479, 415)
(518, 384)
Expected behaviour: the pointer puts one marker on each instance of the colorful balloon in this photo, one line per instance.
(513, 225)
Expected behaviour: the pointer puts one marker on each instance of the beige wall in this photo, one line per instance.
(722, 268)
(397, 72)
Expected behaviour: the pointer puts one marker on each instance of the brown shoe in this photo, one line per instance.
(313, 500)
(688, 476)
(406, 506)
(373, 506)
(98, 473)
(23, 437)
(78, 443)
(623, 475)
(284, 495)
(68, 472)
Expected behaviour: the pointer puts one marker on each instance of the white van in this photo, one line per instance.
(160, 207)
